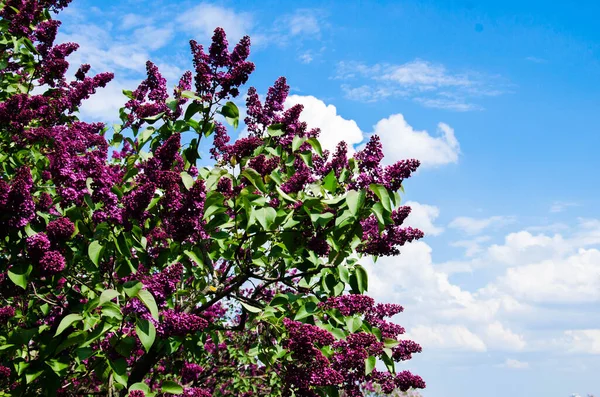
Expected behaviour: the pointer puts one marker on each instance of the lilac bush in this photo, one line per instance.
(127, 270)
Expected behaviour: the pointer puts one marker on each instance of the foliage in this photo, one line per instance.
(140, 274)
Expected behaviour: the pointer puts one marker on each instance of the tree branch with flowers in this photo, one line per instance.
(128, 270)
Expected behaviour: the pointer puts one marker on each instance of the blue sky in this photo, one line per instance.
(500, 102)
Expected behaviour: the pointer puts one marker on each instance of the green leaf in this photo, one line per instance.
(330, 182)
(132, 288)
(146, 332)
(355, 201)
(306, 310)
(279, 300)
(153, 119)
(57, 366)
(190, 95)
(307, 157)
(362, 278)
(344, 273)
(266, 216)
(250, 308)
(370, 364)
(187, 179)
(112, 310)
(119, 367)
(297, 142)
(383, 195)
(255, 179)
(321, 219)
(146, 297)
(66, 322)
(353, 323)
(275, 130)
(382, 216)
(169, 386)
(140, 386)
(172, 104)
(95, 251)
(194, 257)
(344, 219)
(19, 275)
(107, 296)
(284, 195)
(31, 376)
(231, 113)
(191, 110)
(145, 136)
(314, 142)
(389, 342)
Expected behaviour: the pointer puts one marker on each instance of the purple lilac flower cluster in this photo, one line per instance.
(6, 313)
(386, 242)
(176, 323)
(349, 305)
(309, 366)
(220, 67)
(163, 284)
(17, 208)
(149, 98)
(371, 170)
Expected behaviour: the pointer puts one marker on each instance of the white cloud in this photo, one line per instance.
(202, 20)
(515, 364)
(334, 128)
(304, 22)
(514, 311)
(457, 105)
(572, 279)
(523, 247)
(401, 141)
(477, 225)
(585, 341)
(472, 247)
(153, 38)
(130, 21)
(306, 57)
(560, 206)
(101, 50)
(427, 83)
(499, 337)
(453, 337)
(422, 217)
(536, 59)
(366, 93)
(105, 103)
(423, 75)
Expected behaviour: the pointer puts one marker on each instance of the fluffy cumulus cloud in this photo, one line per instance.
(585, 341)
(529, 298)
(104, 105)
(451, 337)
(334, 128)
(575, 278)
(501, 338)
(400, 141)
(422, 216)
